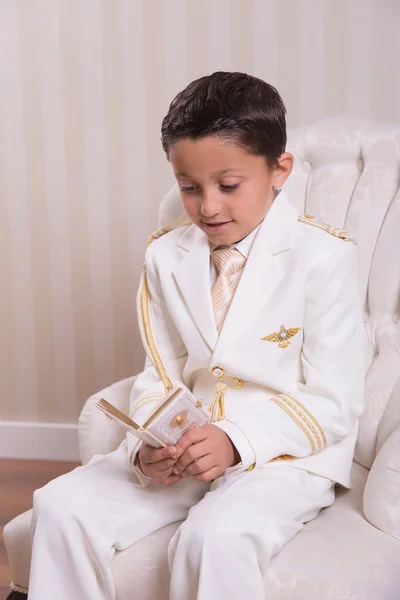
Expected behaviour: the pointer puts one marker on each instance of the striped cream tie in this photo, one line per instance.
(227, 261)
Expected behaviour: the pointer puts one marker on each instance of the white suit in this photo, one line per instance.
(298, 400)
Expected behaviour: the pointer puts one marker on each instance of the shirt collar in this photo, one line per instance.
(244, 246)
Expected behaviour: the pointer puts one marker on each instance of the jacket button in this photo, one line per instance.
(218, 372)
(251, 467)
(235, 383)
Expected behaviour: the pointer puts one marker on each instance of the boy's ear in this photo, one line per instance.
(283, 170)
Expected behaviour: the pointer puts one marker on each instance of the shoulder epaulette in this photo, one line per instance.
(179, 222)
(339, 233)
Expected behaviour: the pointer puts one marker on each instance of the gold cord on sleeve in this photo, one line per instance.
(148, 342)
(277, 400)
(142, 309)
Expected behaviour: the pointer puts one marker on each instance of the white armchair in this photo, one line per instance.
(347, 173)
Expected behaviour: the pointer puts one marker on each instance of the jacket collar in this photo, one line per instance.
(260, 276)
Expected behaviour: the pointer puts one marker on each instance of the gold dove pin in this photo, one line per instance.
(282, 338)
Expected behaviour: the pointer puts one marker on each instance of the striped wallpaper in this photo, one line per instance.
(84, 85)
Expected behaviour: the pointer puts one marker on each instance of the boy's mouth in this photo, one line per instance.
(216, 227)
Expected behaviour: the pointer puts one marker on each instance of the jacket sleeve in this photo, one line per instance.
(323, 409)
(148, 387)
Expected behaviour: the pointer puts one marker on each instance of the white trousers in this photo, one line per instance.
(230, 532)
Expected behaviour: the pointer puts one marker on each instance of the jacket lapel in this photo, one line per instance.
(192, 276)
(262, 273)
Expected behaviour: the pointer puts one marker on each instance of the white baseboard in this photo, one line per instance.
(39, 441)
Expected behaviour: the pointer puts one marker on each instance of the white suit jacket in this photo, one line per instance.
(301, 401)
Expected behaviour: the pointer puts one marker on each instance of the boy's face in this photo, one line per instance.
(225, 190)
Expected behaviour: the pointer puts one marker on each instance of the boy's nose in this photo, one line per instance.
(210, 205)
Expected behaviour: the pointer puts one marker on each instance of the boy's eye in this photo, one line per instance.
(188, 188)
(229, 188)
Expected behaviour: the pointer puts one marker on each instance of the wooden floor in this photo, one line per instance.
(18, 480)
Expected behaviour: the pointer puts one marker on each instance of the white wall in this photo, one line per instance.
(84, 86)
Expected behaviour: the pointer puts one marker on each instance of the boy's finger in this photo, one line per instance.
(171, 480)
(195, 452)
(206, 463)
(154, 455)
(208, 475)
(193, 436)
(165, 465)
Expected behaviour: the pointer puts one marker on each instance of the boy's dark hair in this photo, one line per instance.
(234, 106)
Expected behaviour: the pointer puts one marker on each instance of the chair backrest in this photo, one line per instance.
(347, 174)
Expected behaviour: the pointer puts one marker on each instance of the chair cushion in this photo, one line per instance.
(337, 556)
(141, 571)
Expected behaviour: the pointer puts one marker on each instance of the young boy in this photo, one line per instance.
(251, 294)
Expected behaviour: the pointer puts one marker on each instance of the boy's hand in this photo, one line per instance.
(158, 463)
(206, 453)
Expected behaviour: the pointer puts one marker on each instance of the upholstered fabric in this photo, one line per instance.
(382, 491)
(391, 417)
(17, 539)
(381, 379)
(97, 434)
(347, 174)
(338, 556)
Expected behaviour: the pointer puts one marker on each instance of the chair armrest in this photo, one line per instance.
(382, 489)
(97, 434)
(391, 417)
